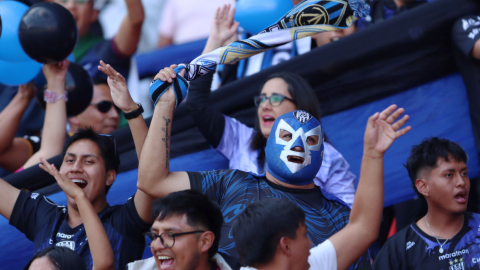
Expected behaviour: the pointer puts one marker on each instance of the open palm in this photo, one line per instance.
(382, 130)
(118, 88)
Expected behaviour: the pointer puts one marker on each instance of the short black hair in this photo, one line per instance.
(425, 155)
(201, 212)
(106, 144)
(258, 229)
(61, 257)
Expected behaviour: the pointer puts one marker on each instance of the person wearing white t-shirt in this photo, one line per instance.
(271, 233)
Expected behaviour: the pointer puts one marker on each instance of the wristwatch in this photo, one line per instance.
(134, 113)
(52, 97)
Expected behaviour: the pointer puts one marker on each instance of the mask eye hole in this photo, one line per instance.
(312, 140)
(285, 135)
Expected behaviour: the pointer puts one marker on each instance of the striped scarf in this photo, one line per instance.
(307, 18)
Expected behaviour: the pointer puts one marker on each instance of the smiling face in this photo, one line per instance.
(84, 165)
(101, 122)
(187, 253)
(447, 186)
(267, 114)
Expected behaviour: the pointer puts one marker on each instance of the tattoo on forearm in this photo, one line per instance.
(167, 141)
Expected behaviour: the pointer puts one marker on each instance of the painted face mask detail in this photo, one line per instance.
(299, 166)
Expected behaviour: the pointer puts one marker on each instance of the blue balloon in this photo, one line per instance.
(16, 73)
(10, 49)
(256, 15)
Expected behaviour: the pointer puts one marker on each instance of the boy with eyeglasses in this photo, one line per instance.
(185, 234)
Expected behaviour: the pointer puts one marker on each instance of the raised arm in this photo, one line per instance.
(362, 229)
(223, 30)
(154, 177)
(123, 100)
(100, 247)
(14, 152)
(55, 123)
(130, 29)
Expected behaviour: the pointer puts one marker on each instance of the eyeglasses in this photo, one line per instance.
(274, 99)
(112, 139)
(81, 2)
(167, 238)
(104, 106)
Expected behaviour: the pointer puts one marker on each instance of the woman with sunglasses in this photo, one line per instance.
(244, 147)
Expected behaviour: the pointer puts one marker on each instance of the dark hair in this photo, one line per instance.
(61, 257)
(259, 228)
(201, 212)
(425, 155)
(106, 144)
(305, 99)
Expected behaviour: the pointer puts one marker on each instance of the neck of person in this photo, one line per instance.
(74, 219)
(274, 180)
(444, 224)
(277, 263)
(206, 263)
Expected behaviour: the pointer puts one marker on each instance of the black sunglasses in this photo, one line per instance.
(104, 106)
(274, 99)
(167, 238)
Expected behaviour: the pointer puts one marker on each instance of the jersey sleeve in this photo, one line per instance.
(335, 176)
(212, 183)
(33, 142)
(391, 256)
(465, 33)
(128, 222)
(209, 120)
(323, 256)
(107, 51)
(31, 213)
(236, 137)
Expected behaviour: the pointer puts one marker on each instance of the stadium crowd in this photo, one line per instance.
(288, 199)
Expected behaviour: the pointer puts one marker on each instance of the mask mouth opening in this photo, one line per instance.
(295, 159)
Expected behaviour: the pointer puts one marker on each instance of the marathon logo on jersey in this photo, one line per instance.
(456, 264)
(67, 244)
(302, 116)
(470, 22)
(453, 254)
(64, 236)
(410, 244)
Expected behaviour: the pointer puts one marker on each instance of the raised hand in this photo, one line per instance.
(224, 28)
(27, 90)
(56, 72)
(70, 188)
(118, 88)
(381, 130)
(167, 75)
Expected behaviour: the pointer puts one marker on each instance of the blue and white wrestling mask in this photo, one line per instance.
(294, 149)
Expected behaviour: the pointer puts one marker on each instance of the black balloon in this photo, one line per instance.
(48, 32)
(78, 84)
